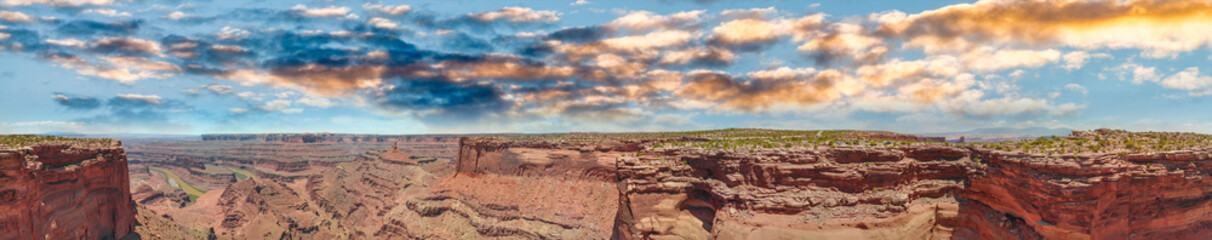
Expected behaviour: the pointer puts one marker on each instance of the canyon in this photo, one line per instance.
(867, 189)
(719, 184)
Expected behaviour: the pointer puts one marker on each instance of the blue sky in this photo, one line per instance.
(180, 67)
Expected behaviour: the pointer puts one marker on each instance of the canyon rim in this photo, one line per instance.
(589, 119)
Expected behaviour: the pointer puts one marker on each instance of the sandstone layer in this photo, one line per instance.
(65, 191)
(917, 191)
(720, 184)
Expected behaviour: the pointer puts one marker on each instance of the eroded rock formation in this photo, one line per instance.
(725, 184)
(63, 191)
(790, 193)
(914, 193)
(921, 191)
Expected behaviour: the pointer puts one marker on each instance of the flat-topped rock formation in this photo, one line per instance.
(734, 185)
(282, 159)
(64, 189)
(213, 165)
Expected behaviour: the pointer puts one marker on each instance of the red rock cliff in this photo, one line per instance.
(58, 191)
(921, 191)
(914, 192)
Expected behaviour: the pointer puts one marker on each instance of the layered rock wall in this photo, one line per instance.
(919, 192)
(593, 161)
(1108, 196)
(922, 191)
(55, 191)
(866, 193)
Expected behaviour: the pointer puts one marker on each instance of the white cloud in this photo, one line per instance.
(215, 88)
(517, 14)
(69, 42)
(752, 13)
(178, 15)
(1077, 88)
(1077, 59)
(143, 66)
(249, 96)
(645, 20)
(987, 59)
(229, 32)
(850, 41)
(318, 102)
(579, 3)
(382, 23)
(1190, 80)
(971, 105)
(387, 9)
(46, 123)
(126, 70)
(220, 89)
(330, 11)
(744, 31)
(279, 106)
(649, 41)
(1140, 74)
(8, 16)
(107, 12)
(152, 99)
(58, 3)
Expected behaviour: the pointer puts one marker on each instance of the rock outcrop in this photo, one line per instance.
(269, 210)
(203, 163)
(1103, 196)
(915, 192)
(783, 193)
(926, 190)
(64, 191)
(719, 184)
(576, 160)
(152, 226)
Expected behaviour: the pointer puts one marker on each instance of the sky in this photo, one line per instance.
(415, 67)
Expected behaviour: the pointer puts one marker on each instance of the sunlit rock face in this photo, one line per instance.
(921, 191)
(730, 184)
(59, 191)
(914, 193)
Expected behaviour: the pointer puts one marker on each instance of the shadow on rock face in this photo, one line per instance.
(698, 203)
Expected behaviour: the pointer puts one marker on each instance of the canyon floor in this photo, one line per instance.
(720, 184)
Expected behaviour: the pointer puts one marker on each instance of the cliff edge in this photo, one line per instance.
(762, 184)
(64, 189)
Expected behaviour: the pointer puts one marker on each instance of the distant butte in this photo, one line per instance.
(396, 155)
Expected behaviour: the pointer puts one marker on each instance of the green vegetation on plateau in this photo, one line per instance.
(1096, 141)
(1106, 141)
(18, 141)
(730, 133)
